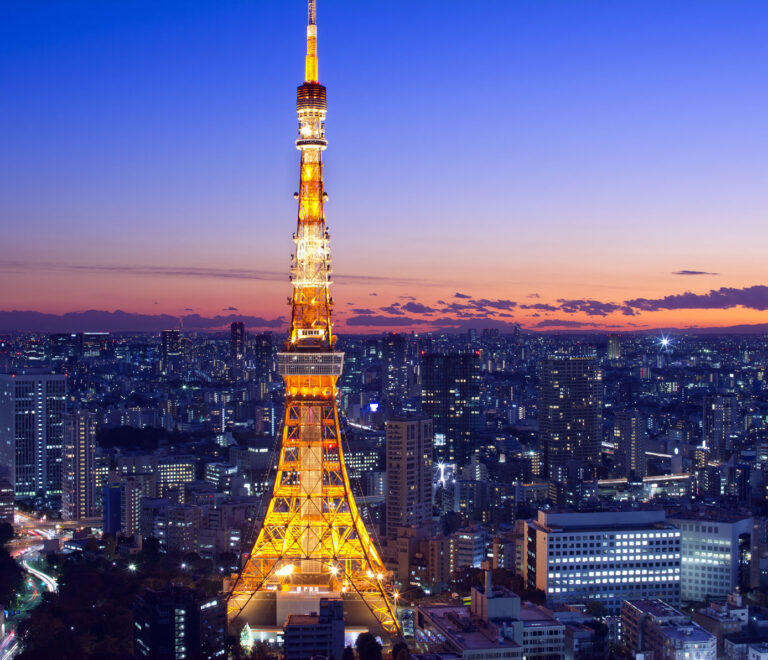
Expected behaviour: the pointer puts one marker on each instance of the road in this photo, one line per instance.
(31, 532)
(47, 580)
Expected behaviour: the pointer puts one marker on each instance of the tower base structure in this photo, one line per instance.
(267, 612)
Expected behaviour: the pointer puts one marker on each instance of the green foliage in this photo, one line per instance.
(367, 647)
(400, 651)
(11, 578)
(596, 609)
(6, 532)
(91, 615)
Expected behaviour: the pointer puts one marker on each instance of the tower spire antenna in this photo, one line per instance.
(311, 64)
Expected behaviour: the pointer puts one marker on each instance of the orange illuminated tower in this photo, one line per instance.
(313, 542)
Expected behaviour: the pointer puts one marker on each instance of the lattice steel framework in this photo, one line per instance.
(313, 539)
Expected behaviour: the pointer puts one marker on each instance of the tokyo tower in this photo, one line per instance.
(313, 542)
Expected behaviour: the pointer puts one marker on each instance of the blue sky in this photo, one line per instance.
(571, 149)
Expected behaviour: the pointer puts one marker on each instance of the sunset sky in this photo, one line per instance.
(573, 163)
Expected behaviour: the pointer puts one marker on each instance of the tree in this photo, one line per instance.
(6, 532)
(367, 647)
(397, 649)
(11, 578)
(596, 609)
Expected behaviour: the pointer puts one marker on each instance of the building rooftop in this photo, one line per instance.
(710, 514)
(689, 633)
(582, 521)
(655, 607)
(535, 616)
(455, 623)
(302, 619)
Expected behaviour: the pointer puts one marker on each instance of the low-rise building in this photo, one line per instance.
(317, 634)
(653, 626)
(496, 625)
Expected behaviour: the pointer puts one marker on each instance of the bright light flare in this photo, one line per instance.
(285, 570)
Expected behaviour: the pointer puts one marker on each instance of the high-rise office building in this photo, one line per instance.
(614, 347)
(718, 423)
(31, 431)
(262, 349)
(94, 344)
(394, 370)
(607, 556)
(408, 472)
(716, 547)
(171, 340)
(65, 346)
(570, 413)
(450, 395)
(629, 435)
(6, 500)
(78, 487)
(179, 622)
(110, 506)
(237, 341)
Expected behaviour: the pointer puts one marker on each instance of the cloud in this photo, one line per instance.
(751, 297)
(477, 306)
(394, 308)
(461, 295)
(120, 321)
(483, 303)
(229, 309)
(418, 308)
(594, 307)
(542, 306)
(693, 272)
(533, 295)
(188, 309)
(407, 297)
(362, 310)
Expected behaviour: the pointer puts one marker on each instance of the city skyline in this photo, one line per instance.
(563, 166)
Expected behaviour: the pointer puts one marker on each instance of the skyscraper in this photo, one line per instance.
(78, 488)
(450, 395)
(313, 540)
(394, 371)
(614, 347)
(237, 341)
(570, 413)
(629, 435)
(171, 340)
(262, 348)
(31, 431)
(408, 472)
(718, 423)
